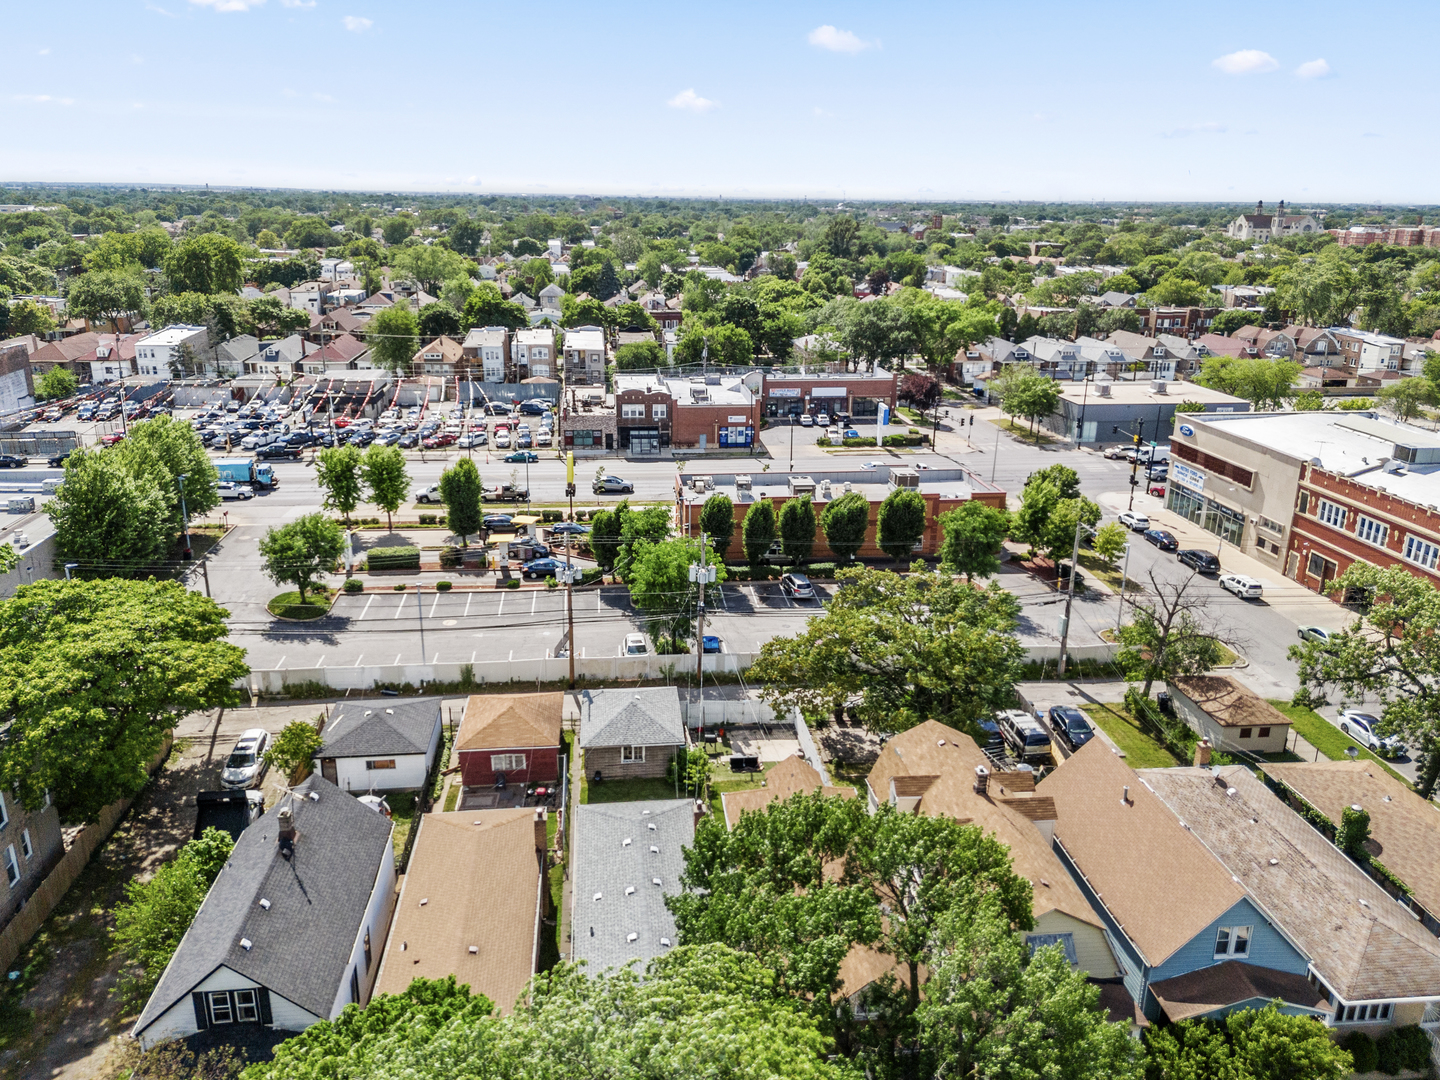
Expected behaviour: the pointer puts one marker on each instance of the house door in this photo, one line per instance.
(327, 769)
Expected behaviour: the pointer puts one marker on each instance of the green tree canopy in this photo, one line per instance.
(205, 263)
(658, 577)
(1266, 383)
(797, 528)
(1248, 1044)
(394, 338)
(1065, 479)
(295, 747)
(107, 518)
(387, 484)
(717, 521)
(165, 449)
(93, 674)
(437, 319)
(845, 522)
(758, 530)
(1408, 397)
(339, 472)
(605, 531)
(107, 296)
(487, 307)
(429, 265)
(302, 552)
(901, 523)
(55, 384)
(974, 535)
(1023, 391)
(640, 356)
(462, 491)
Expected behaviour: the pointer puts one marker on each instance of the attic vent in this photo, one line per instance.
(367, 712)
(652, 826)
(404, 945)
(246, 943)
(1274, 862)
(654, 850)
(940, 743)
(629, 890)
(265, 903)
(656, 880)
(389, 712)
(632, 937)
(473, 949)
(314, 796)
(644, 813)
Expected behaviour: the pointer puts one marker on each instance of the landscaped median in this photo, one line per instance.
(1327, 738)
(288, 605)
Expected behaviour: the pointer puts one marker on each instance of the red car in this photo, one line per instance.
(1157, 490)
(111, 439)
(443, 438)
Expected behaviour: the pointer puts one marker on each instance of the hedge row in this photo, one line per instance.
(393, 558)
(766, 572)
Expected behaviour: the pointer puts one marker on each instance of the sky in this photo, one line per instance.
(971, 99)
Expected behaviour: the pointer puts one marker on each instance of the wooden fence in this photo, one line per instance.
(26, 922)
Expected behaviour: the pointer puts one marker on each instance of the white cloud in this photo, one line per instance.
(323, 97)
(688, 99)
(228, 5)
(298, 3)
(828, 37)
(42, 99)
(1246, 62)
(1313, 69)
(357, 24)
(45, 52)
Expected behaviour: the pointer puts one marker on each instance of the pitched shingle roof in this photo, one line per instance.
(645, 717)
(1359, 940)
(359, 728)
(479, 874)
(301, 944)
(1229, 703)
(605, 865)
(1153, 875)
(1232, 982)
(505, 721)
(786, 778)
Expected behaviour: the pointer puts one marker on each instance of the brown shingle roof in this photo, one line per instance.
(1231, 982)
(1359, 940)
(1156, 878)
(479, 875)
(1404, 827)
(786, 778)
(1228, 703)
(510, 721)
(448, 348)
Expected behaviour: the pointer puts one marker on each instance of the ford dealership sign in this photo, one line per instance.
(1186, 430)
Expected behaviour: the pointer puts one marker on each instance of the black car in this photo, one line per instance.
(58, 461)
(278, 450)
(408, 441)
(10, 461)
(1201, 561)
(533, 408)
(994, 741)
(1070, 727)
(1163, 540)
(498, 521)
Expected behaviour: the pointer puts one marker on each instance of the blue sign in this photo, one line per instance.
(1186, 430)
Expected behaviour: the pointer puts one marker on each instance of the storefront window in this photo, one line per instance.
(864, 406)
(583, 438)
(1211, 516)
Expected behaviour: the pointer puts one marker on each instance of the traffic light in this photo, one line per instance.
(569, 491)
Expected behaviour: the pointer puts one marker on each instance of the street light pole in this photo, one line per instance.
(185, 551)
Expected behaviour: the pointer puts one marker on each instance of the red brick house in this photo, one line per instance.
(517, 735)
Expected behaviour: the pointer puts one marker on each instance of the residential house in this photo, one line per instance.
(1112, 299)
(1147, 350)
(551, 296)
(1232, 716)
(473, 904)
(1404, 828)
(1315, 346)
(532, 355)
(585, 356)
(326, 326)
(31, 844)
(235, 357)
(180, 351)
(628, 734)
(489, 345)
(64, 353)
(627, 857)
(525, 301)
(113, 358)
(793, 776)
(344, 353)
(1367, 351)
(1223, 345)
(510, 739)
(444, 356)
(381, 745)
(311, 296)
(375, 303)
(282, 357)
(292, 930)
(1188, 322)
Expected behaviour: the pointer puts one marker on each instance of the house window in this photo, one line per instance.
(1246, 732)
(1331, 514)
(1233, 941)
(1371, 531)
(25, 844)
(1066, 941)
(247, 1008)
(1362, 1014)
(220, 1011)
(1421, 553)
(1321, 568)
(658, 411)
(632, 412)
(12, 866)
(1264, 733)
(4, 811)
(631, 754)
(539, 354)
(1304, 502)
(355, 985)
(506, 762)
(1272, 526)
(367, 949)
(383, 763)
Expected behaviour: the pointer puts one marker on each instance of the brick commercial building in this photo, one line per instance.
(858, 395)
(654, 413)
(942, 490)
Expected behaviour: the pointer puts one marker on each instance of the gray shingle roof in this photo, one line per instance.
(361, 728)
(300, 946)
(647, 717)
(606, 865)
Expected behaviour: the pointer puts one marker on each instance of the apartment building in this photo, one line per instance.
(484, 350)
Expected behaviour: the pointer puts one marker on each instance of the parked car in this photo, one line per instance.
(806, 420)
(823, 419)
(58, 461)
(524, 442)
(13, 461)
(1070, 727)
(1247, 588)
(797, 586)
(521, 457)
(1316, 633)
(612, 485)
(1158, 490)
(408, 441)
(429, 494)
(635, 645)
(534, 408)
(439, 439)
(1163, 540)
(994, 741)
(475, 438)
(570, 528)
(851, 433)
(1200, 561)
(113, 438)
(228, 489)
(505, 493)
(1364, 728)
(1025, 736)
(497, 521)
(1134, 522)
(540, 568)
(278, 450)
(245, 767)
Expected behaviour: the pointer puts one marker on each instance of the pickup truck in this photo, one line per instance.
(505, 493)
(246, 471)
(430, 494)
(228, 811)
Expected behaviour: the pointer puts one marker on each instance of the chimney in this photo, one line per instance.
(1202, 754)
(541, 843)
(982, 779)
(286, 818)
(1125, 796)
(699, 811)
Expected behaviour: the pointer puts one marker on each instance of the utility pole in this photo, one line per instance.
(701, 574)
(569, 567)
(1070, 596)
(1135, 461)
(1124, 576)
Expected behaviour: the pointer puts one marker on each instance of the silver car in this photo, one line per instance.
(246, 766)
(1364, 728)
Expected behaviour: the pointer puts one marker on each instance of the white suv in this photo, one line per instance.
(1247, 588)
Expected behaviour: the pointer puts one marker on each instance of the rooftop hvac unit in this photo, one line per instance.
(906, 478)
(742, 482)
(1102, 389)
(1157, 386)
(802, 485)
(825, 489)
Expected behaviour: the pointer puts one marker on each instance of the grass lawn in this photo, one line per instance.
(402, 815)
(723, 780)
(288, 606)
(626, 790)
(1098, 567)
(1022, 431)
(1326, 737)
(1141, 751)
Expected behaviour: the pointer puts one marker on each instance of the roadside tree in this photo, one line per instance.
(1110, 542)
(208, 263)
(295, 747)
(1029, 394)
(55, 384)
(974, 535)
(302, 552)
(717, 521)
(1170, 636)
(797, 528)
(845, 522)
(1408, 397)
(165, 450)
(106, 518)
(461, 490)
(605, 531)
(658, 577)
(901, 523)
(386, 482)
(758, 530)
(339, 472)
(394, 337)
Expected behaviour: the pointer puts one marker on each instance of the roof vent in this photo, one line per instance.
(629, 890)
(632, 937)
(473, 949)
(654, 850)
(656, 880)
(644, 813)
(265, 903)
(597, 896)
(1230, 791)
(424, 901)
(940, 743)
(247, 944)
(389, 712)
(314, 796)
(1274, 862)
(625, 842)
(665, 941)
(651, 826)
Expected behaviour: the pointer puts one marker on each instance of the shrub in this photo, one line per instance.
(551, 583)
(551, 516)
(1362, 1049)
(821, 569)
(823, 440)
(442, 586)
(354, 585)
(400, 587)
(1406, 1048)
(443, 519)
(427, 519)
(450, 557)
(592, 575)
(394, 558)
(513, 583)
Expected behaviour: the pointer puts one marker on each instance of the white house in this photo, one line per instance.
(293, 929)
(487, 345)
(385, 745)
(158, 353)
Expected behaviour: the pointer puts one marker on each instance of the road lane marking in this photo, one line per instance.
(599, 602)
(468, 598)
(357, 659)
(370, 600)
(472, 657)
(321, 661)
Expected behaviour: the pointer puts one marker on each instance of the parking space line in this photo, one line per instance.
(468, 598)
(437, 659)
(599, 602)
(501, 609)
(397, 659)
(370, 600)
(435, 605)
(281, 664)
(472, 657)
(321, 661)
(357, 659)
(534, 599)
(399, 608)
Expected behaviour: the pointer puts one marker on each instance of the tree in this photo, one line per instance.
(1309, 401)
(462, 492)
(437, 319)
(338, 472)
(658, 577)
(1058, 537)
(302, 552)
(295, 747)
(394, 337)
(28, 317)
(106, 518)
(1249, 1044)
(878, 332)
(397, 229)
(1227, 322)
(1390, 653)
(1027, 393)
(1065, 479)
(487, 307)
(719, 344)
(605, 531)
(165, 449)
(901, 523)
(845, 522)
(1038, 501)
(758, 530)
(1266, 383)
(155, 914)
(797, 528)
(717, 521)
(640, 356)
(1353, 833)
(92, 676)
(107, 296)
(56, 383)
(386, 482)
(206, 263)
(974, 534)
(1406, 398)
(1167, 637)
(1110, 542)
(922, 391)
(428, 265)
(894, 650)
